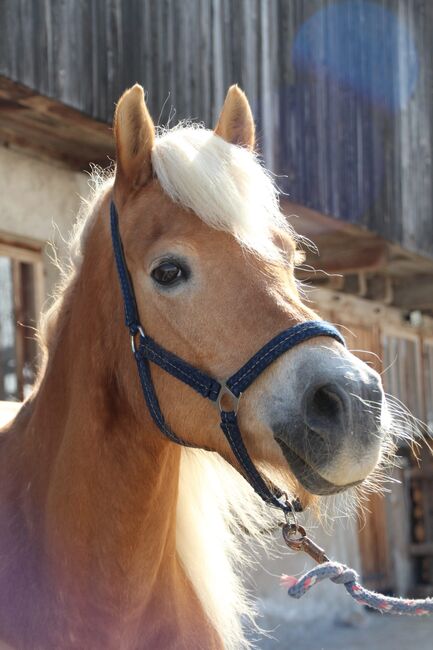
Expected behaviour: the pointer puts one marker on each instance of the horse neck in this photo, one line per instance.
(97, 482)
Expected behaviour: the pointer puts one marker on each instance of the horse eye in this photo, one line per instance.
(167, 273)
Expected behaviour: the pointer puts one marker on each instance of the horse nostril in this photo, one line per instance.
(326, 402)
(325, 409)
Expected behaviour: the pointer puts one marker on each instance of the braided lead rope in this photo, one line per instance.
(341, 574)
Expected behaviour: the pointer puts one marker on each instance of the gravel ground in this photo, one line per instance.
(372, 632)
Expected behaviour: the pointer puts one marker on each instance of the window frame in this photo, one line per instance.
(19, 253)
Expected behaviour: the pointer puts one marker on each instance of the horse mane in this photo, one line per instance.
(220, 528)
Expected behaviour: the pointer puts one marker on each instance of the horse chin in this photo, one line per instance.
(309, 477)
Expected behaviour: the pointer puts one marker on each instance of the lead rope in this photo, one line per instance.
(296, 539)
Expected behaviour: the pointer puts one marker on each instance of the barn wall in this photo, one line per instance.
(341, 90)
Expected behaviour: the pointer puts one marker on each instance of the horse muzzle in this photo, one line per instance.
(333, 440)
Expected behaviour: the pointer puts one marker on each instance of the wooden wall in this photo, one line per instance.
(341, 90)
(395, 529)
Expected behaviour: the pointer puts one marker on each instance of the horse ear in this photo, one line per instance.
(135, 134)
(236, 123)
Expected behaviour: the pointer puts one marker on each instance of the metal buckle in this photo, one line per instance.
(141, 333)
(296, 539)
(223, 392)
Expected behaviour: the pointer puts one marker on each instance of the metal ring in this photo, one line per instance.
(140, 331)
(290, 512)
(294, 536)
(225, 390)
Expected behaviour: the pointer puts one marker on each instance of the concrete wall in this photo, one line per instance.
(38, 202)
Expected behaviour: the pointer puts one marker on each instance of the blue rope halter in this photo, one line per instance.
(208, 387)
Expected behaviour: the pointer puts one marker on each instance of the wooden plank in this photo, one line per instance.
(20, 253)
(418, 550)
(415, 292)
(402, 359)
(346, 255)
(428, 380)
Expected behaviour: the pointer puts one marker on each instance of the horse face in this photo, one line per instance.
(208, 293)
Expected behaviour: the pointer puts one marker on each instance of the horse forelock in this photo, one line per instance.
(224, 184)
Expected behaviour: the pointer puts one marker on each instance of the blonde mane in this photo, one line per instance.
(220, 524)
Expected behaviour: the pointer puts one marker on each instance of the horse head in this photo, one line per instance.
(212, 262)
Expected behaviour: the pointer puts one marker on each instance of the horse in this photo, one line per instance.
(111, 535)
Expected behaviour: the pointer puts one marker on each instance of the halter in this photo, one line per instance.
(218, 392)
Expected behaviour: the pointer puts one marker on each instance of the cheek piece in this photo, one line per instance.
(218, 392)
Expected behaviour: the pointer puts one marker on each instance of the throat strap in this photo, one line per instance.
(230, 427)
(149, 351)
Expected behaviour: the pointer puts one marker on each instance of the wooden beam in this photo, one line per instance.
(51, 129)
(379, 287)
(414, 293)
(340, 253)
(20, 252)
(342, 247)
